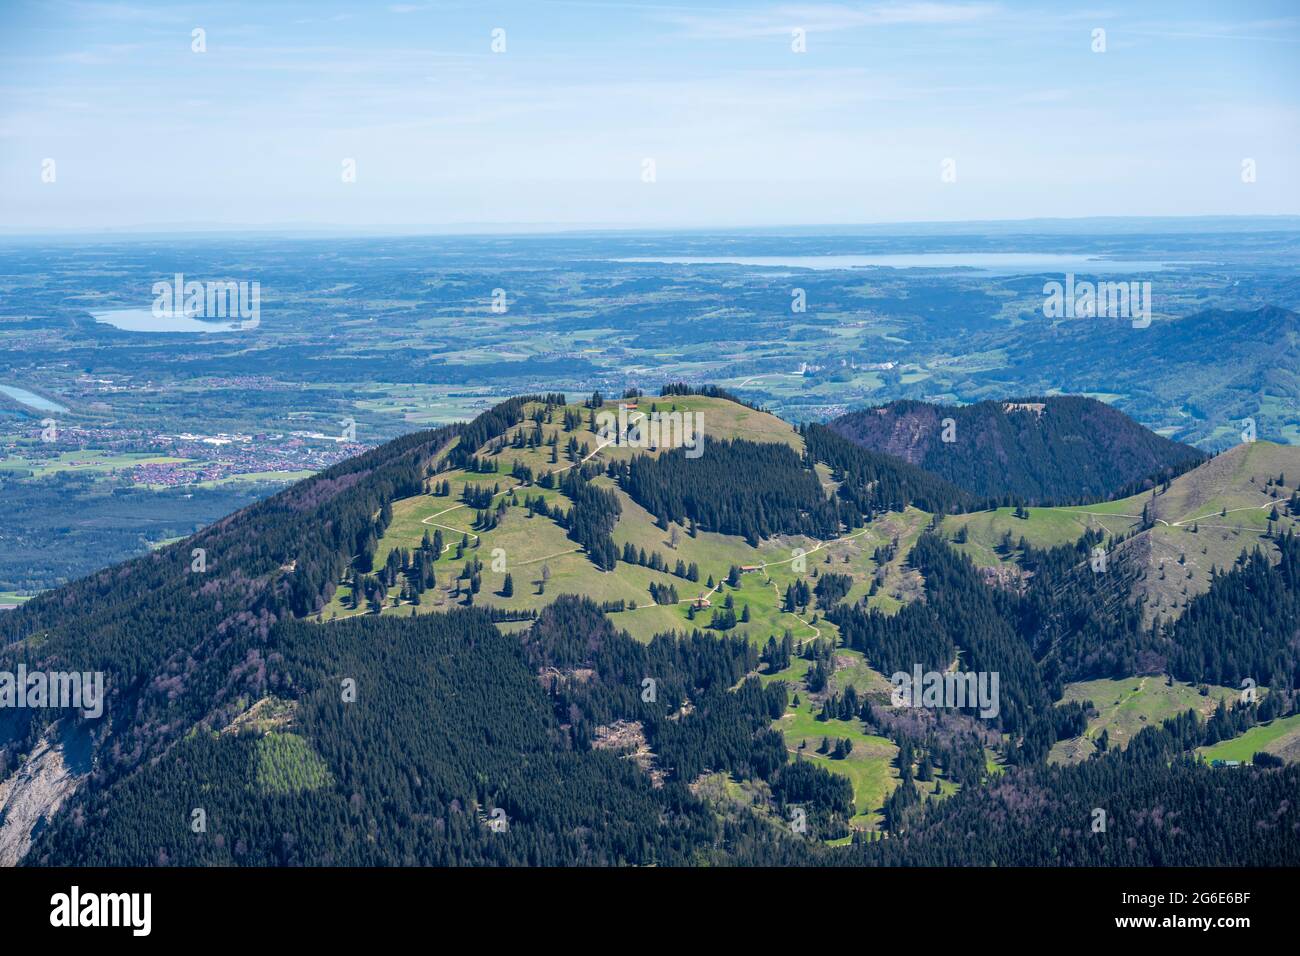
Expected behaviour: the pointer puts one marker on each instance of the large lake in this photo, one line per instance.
(31, 399)
(144, 320)
(992, 263)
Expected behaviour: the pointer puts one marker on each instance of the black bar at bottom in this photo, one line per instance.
(216, 905)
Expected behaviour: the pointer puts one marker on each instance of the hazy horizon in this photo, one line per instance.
(641, 116)
(1083, 226)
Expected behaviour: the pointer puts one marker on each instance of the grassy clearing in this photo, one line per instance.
(719, 419)
(1235, 481)
(1125, 706)
(1278, 736)
(872, 764)
(285, 764)
(1044, 528)
(869, 766)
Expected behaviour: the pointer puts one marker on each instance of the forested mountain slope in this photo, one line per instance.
(1044, 450)
(1162, 545)
(526, 640)
(1202, 374)
(195, 637)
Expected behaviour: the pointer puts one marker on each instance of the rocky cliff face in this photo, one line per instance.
(37, 788)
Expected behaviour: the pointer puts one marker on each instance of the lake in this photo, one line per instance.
(990, 263)
(144, 320)
(31, 399)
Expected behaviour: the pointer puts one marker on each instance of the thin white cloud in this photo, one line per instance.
(827, 18)
(129, 13)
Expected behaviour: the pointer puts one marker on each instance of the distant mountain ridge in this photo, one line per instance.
(1202, 374)
(1033, 451)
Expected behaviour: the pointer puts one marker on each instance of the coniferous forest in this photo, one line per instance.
(443, 739)
(1033, 444)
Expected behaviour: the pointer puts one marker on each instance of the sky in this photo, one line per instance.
(119, 116)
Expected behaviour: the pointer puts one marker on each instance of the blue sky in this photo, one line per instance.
(555, 130)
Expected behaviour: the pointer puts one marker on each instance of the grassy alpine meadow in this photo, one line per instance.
(988, 531)
(1201, 521)
(1280, 736)
(1124, 707)
(871, 765)
(544, 562)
